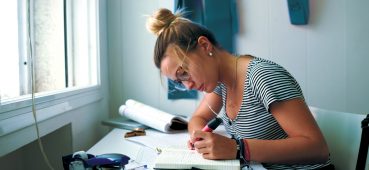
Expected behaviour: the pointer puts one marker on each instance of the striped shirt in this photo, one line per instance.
(265, 83)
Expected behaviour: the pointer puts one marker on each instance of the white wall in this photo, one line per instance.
(328, 56)
(132, 70)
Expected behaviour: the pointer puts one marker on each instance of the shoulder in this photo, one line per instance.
(263, 70)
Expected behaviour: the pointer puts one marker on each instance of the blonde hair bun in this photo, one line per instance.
(161, 20)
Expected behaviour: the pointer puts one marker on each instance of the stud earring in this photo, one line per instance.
(210, 54)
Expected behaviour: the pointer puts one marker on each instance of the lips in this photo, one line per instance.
(201, 88)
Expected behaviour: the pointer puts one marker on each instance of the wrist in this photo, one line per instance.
(246, 150)
(243, 150)
(238, 149)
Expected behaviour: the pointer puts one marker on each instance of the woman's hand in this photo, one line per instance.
(212, 145)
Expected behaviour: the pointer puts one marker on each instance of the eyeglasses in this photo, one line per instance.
(181, 75)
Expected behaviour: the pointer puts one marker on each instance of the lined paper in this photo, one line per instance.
(186, 159)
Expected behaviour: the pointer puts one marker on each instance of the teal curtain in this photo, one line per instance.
(219, 16)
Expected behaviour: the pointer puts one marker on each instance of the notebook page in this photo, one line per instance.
(187, 159)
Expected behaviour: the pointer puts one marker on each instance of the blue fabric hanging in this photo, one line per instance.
(219, 16)
(194, 7)
(221, 19)
(299, 11)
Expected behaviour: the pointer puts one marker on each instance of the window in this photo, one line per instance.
(64, 48)
(63, 34)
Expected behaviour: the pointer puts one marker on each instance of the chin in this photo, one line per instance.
(206, 89)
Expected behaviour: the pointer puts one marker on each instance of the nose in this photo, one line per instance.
(188, 84)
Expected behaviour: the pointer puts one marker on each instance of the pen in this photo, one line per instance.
(211, 125)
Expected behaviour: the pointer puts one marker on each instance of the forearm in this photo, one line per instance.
(196, 123)
(288, 151)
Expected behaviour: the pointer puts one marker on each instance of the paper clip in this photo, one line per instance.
(158, 150)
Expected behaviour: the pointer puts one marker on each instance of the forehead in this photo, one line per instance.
(169, 64)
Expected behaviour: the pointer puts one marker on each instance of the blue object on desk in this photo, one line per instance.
(299, 11)
(81, 160)
(112, 160)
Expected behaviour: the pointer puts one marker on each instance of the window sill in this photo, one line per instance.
(17, 115)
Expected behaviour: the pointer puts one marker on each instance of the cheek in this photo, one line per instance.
(198, 75)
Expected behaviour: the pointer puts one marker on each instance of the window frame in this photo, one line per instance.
(16, 113)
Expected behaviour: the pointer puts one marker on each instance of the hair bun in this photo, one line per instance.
(160, 20)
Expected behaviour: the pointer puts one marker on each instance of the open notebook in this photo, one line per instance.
(171, 158)
(176, 155)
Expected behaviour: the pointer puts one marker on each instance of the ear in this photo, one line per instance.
(205, 44)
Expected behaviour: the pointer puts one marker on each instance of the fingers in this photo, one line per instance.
(194, 137)
(198, 134)
(190, 145)
(202, 143)
(212, 145)
(206, 153)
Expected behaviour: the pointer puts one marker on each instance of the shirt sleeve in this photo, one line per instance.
(271, 82)
(218, 89)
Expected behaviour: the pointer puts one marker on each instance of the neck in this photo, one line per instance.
(227, 70)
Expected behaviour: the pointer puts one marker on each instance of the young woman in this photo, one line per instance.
(265, 111)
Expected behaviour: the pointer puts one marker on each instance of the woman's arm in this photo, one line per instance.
(203, 114)
(305, 142)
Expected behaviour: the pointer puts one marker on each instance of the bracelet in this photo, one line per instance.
(244, 153)
(247, 150)
(238, 149)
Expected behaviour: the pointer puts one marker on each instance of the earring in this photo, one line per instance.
(210, 54)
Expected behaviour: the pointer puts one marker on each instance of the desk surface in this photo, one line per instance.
(114, 142)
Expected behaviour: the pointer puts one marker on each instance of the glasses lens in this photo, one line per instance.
(177, 85)
(182, 75)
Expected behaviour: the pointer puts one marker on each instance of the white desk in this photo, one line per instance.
(114, 142)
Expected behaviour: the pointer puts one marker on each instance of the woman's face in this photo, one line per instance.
(193, 71)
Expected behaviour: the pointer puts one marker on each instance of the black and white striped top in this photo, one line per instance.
(265, 83)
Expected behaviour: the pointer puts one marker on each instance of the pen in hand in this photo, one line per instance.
(209, 127)
(212, 125)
